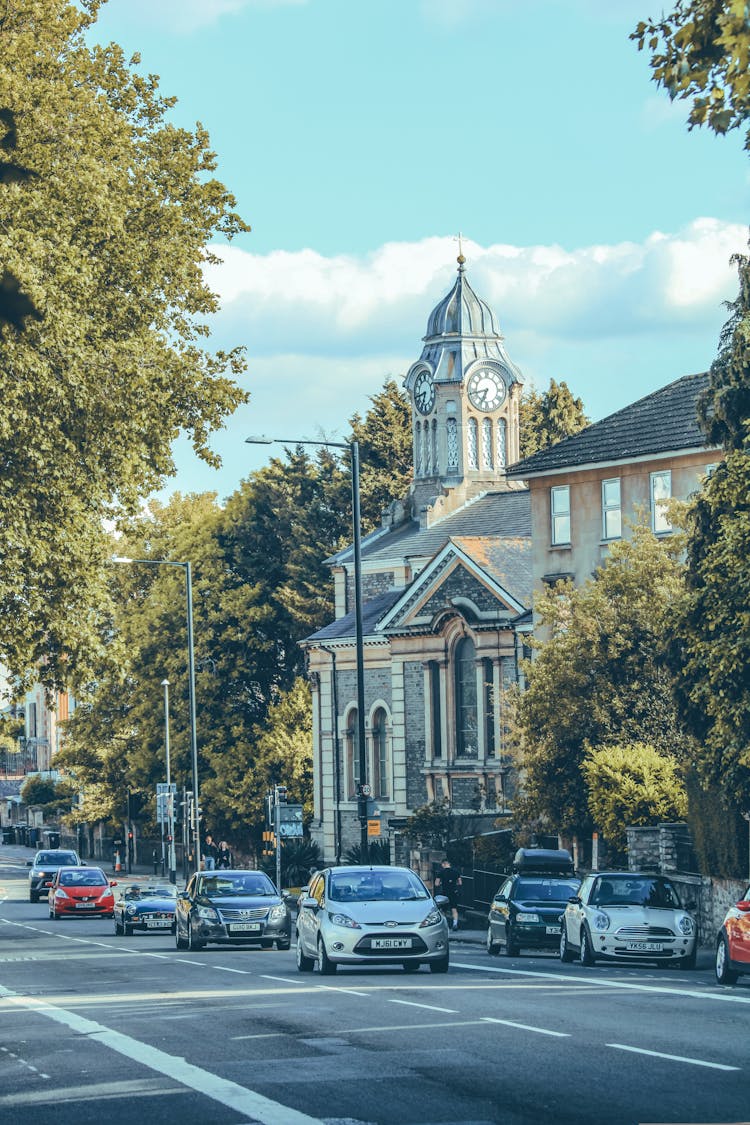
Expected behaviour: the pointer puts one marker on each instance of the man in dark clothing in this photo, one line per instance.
(209, 853)
(447, 881)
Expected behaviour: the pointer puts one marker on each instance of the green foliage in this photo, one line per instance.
(632, 784)
(45, 791)
(385, 452)
(724, 410)
(549, 417)
(718, 830)
(298, 858)
(378, 853)
(108, 241)
(701, 51)
(599, 679)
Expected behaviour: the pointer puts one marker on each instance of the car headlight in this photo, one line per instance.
(685, 925)
(527, 917)
(277, 913)
(434, 918)
(60, 893)
(344, 920)
(600, 920)
(207, 914)
(130, 909)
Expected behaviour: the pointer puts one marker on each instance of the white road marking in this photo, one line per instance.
(431, 1007)
(333, 988)
(672, 1058)
(231, 1094)
(225, 969)
(527, 1027)
(286, 980)
(185, 961)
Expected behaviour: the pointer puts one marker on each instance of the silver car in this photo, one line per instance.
(627, 916)
(370, 915)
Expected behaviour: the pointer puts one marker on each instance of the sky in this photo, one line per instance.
(360, 137)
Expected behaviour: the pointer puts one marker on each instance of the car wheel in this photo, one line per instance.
(325, 964)
(566, 953)
(510, 949)
(284, 944)
(305, 964)
(587, 953)
(266, 944)
(411, 966)
(440, 966)
(724, 974)
(118, 928)
(179, 940)
(492, 948)
(127, 929)
(192, 942)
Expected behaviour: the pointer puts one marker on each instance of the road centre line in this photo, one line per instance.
(603, 982)
(226, 969)
(244, 1101)
(527, 1027)
(431, 1007)
(672, 1058)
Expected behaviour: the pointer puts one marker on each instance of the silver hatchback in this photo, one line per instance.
(370, 915)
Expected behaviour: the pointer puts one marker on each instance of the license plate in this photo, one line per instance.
(244, 927)
(391, 943)
(645, 946)
(552, 929)
(85, 906)
(157, 923)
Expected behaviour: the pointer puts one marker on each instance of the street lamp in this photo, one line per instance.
(191, 684)
(363, 788)
(172, 860)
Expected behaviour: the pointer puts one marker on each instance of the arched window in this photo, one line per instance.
(451, 433)
(352, 752)
(502, 443)
(418, 449)
(381, 772)
(435, 469)
(487, 458)
(465, 673)
(472, 454)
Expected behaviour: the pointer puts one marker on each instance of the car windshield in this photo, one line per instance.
(546, 890)
(57, 859)
(635, 890)
(386, 886)
(89, 878)
(149, 892)
(235, 883)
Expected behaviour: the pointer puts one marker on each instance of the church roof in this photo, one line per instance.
(662, 422)
(462, 313)
(372, 611)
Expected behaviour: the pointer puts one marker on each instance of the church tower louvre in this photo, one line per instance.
(465, 396)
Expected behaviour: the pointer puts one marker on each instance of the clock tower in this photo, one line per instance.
(465, 393)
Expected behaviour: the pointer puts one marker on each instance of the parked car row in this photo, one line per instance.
(386, 915)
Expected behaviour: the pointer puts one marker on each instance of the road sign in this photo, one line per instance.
(289, 821)
(373, 828)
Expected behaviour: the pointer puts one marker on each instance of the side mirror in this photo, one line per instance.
(113, 882)
(442, 900)
(499, 898)
(308, 903)
(576, 899)
(744, 905)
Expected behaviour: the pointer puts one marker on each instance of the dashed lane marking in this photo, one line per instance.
(430, 1007)
(671, 1058)
(527, 1027)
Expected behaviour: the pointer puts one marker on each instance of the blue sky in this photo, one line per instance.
(360, 137)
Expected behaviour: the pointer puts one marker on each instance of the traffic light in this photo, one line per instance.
(269, 843)
(281, 794)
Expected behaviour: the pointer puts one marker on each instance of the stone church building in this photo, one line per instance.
(446, 599)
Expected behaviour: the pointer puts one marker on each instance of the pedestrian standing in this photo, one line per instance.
(224, 855)
(210, 852)
(449, 880)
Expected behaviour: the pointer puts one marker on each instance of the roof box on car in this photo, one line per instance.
(551, 861)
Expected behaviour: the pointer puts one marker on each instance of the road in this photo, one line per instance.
(94, 1027)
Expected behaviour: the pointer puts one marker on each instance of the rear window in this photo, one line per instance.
(546, 890)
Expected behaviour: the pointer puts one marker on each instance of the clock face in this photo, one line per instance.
(424, 392)
(487, 389)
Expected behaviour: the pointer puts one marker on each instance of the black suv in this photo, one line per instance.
(525, 913)
(44, 867)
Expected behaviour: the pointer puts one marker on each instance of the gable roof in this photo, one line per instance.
(664, 421)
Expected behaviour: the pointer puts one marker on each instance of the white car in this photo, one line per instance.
(627, 916)
(371, 915)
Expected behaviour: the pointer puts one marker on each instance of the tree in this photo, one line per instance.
(38, 790)
(631, 784)
(701, 50)
(599, 679)
(108, 243)
(549, 417)
(385, 449)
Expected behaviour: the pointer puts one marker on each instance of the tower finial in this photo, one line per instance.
(460, 259)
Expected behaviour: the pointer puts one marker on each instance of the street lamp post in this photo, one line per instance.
(191, 686)
(363, 788)
(171, 859)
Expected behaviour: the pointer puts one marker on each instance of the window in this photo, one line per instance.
(352, 751)
(661, 492)
(418, 449)
(502, 443)
(611, 509)
(487, 458)
(465, 673)
(434, 448)
(560, 512)
(451, 431)
(435, 707)
(489, 707)
(472, 454)
(380, 756)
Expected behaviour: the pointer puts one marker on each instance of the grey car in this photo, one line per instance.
(45, 866)
(370, 916)
(231, 908)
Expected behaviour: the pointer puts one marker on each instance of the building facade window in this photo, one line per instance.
(435, 708)
(611, 509)
(502, 443)
(451, 435)
(381, 771)
(560, 514)
(465, 673)
(435, 468)
(472, 454)
(487, 458)
(661, 493)
(352, 753)
(488, 686)
(418, 449)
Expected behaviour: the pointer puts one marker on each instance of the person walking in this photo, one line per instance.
(224, 855)
(210, 852)
(449, 880)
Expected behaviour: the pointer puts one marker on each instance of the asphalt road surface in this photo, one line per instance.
(96, 1028)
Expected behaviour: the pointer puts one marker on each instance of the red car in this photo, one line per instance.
(733, 943)
(82, 891)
